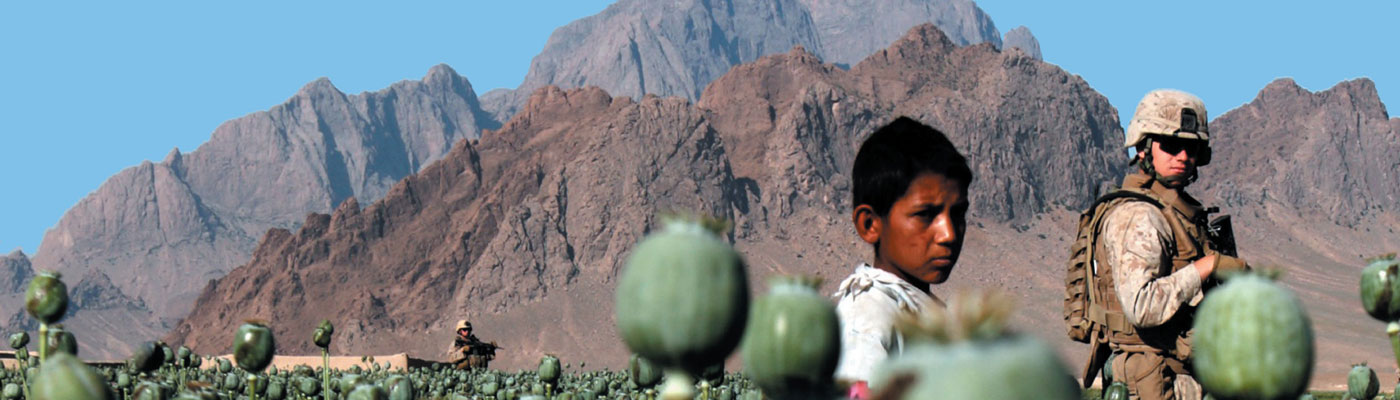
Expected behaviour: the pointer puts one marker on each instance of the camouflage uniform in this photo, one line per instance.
(471, 353)
(468, 352)
(1149, 251)
(1142, 262)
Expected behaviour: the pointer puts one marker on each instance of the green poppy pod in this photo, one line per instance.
(1380, 289)
(642, 372)
(793, 340)
(683, 299)
(348, 382)
(549, 369)
(1107, 372)
(1362, 382)
(309, 386)
(253, 346)
(276, 388)
(12, 391)
(167, 354)
(148, 390)
(488, 388)
(61, 339)
(182, 355)
(1010, 367)
(321, 338)
(47, 297)
(144, 358)
(19, 339)
(1252, 340)
(225, 366)
(399, 387)
(1116, 391)
(233, 383)
(259, 385)
(63, 376)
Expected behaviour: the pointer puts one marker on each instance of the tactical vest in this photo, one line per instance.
(1188, 225)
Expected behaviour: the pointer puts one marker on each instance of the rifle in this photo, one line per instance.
(482, 348)
(1222, 235)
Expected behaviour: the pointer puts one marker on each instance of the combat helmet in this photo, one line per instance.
(1174, 113)
(463, 324)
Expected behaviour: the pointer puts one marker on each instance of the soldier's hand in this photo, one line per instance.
(1206, 265)
(1226, 265)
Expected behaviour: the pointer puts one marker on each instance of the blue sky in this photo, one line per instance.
(90, 88)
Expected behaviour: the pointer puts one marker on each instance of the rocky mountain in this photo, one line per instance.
(1021, 38)
(675, 48)
(1328, 155)
(851, 30)
(93, 296)
(158, 232)
(1310, 180)
(15, 272)
(525, 230)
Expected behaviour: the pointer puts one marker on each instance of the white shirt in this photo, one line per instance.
(869, 302)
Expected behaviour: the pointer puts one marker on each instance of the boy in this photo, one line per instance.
(909, 191)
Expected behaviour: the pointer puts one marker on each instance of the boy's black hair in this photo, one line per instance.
(890, 159)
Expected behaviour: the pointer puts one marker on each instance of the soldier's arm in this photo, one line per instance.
(1137, 241)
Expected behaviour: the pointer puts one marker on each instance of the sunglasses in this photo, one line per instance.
(1174, 146)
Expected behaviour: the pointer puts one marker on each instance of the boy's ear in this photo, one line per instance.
(867, 223)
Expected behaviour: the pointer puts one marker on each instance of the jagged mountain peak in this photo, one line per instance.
(320, 87)
(161, 230)
(1327, 154)
(1022, 39)
(174, 159)
(924, 42)
(441, 71)
(633, 48)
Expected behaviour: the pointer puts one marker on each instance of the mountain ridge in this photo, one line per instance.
(544, 224)
(160, 230)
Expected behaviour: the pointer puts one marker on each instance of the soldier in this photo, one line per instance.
(1154, 254)
(468, 352)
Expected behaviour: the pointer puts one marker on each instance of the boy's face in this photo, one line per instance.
(922, 236)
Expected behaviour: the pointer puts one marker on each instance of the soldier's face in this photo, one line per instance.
(922, 236)
(1175, 158)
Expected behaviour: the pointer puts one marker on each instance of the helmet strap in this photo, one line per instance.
(1145, 164)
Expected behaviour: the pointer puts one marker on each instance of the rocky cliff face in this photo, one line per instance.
(549, 202)
(850, 31)
(160, 231)
(1310, 181)
(525, 230)
(676, 48)
(669, 48)
(1328, 155)
(1021, 38)
(15, 272)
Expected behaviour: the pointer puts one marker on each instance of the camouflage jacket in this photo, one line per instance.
(1151, 272)
(470, 345)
